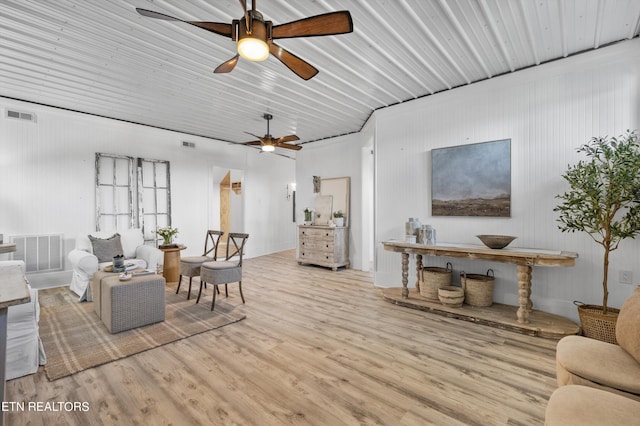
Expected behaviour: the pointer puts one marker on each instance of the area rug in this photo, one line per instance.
(75, 339)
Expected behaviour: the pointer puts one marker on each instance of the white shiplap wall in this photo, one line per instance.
(47, 172)
(336, 157)
(547, 112)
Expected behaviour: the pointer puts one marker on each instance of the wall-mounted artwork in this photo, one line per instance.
(472, 180)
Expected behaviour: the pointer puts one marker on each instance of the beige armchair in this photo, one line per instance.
(614, 368)
(585, 406)
(599, 382)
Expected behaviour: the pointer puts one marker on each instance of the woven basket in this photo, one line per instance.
(597, 325)
(451, 296)
(434, 278)
(478, 289)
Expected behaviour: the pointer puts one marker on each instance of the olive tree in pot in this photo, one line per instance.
(603, 201)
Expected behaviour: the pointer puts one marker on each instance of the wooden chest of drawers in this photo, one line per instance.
(323, 245)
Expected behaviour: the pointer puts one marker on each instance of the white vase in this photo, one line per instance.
(339, 221)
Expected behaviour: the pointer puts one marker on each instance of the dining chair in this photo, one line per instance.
(225, 271)
(190, 265)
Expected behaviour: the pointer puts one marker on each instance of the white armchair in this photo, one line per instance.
(84, 263)
(25, 352)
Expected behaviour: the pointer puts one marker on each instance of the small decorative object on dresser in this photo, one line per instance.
(324, 246)
(338, 218)
(308, 216)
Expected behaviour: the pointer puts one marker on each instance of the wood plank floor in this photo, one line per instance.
(317, 347)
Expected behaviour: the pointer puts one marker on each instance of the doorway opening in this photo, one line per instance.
(229, 194)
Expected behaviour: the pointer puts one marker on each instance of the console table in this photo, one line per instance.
(523, 258)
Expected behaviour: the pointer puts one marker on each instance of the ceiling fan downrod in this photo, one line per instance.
(268, 117)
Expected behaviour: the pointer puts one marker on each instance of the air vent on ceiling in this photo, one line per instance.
(186, 144)
(21, 115)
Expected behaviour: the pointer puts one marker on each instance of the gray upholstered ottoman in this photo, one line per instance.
(123, 305)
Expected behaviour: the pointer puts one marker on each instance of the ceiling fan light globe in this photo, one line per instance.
(268, 148)
(253, 49)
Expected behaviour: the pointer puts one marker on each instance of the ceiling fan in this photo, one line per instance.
(255, 35)
(269, 143)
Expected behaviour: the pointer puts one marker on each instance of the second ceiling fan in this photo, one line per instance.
(255, 35)
(269, 143)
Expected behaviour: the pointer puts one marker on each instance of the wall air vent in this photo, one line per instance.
(21, 115)
(186, 144)
(40, 253)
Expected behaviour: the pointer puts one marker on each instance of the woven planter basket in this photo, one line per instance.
(451, 296)
(478, 289)
(597, 325)
(434, 278)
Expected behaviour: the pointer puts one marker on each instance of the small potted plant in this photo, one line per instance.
(167, 233)
(338, 218)
(308, 216)
(604, 201)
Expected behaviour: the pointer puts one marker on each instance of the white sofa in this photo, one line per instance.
(84, 263)
(25, 352)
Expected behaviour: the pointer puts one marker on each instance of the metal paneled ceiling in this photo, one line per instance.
(101, 57)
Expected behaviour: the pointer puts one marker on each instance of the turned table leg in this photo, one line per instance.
(524, 293)
(418, 271)
(405, 275)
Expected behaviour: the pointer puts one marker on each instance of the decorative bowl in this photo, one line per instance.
(496, 241)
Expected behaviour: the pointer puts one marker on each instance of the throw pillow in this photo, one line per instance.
(105, 248)
(628, 325)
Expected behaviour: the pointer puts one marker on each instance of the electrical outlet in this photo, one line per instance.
(626, 277)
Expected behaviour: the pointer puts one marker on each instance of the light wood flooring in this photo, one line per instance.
(317, 347)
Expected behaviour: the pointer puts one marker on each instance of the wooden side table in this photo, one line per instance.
(171, 268)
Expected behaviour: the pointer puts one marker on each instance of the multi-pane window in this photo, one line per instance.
(132, 193)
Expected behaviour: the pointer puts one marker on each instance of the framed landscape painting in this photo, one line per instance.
(472, 180)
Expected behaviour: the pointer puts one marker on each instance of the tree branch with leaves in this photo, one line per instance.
(604, 196)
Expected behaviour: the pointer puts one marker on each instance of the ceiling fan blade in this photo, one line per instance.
(156, 15)
(302, 68)
(327, 24)
(227, 66)
(289, 138)
(252, 143)
(286, 146)
(214, 27)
